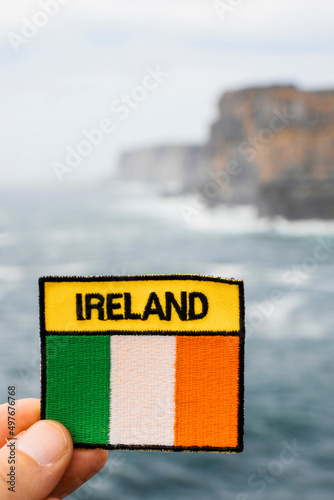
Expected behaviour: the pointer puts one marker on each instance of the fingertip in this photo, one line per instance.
(63, 429)
(46, 442)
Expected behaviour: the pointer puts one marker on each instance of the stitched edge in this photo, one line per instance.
(140, 447)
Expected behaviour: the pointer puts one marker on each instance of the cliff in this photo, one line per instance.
(271, 146)
(175, 168)
(282, 140)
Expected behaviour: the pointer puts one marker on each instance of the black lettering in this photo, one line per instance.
(128, 314)
(153, 300)
(111, 306)
(205, 305)
(79, 307)
(180, 309)
(97, 305)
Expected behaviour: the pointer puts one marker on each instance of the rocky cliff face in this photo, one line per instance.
(282, 139)
(273, 147)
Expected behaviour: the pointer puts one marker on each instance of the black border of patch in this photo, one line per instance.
(240, 334)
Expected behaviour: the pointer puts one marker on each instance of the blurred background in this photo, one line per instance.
(181, 137)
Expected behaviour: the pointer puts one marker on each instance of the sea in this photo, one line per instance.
(122, 229)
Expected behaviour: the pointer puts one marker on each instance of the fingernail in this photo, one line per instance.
(44, 441)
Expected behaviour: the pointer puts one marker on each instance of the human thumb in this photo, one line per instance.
(32, 464)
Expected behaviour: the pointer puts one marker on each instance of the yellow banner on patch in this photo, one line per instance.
(144, 304)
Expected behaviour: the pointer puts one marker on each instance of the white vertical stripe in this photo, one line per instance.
(142, 389)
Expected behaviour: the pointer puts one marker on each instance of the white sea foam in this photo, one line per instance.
(138, 200)
(286, 318)
(242, 219)
(245, 220)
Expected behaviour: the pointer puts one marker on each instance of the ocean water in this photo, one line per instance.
(289, 285)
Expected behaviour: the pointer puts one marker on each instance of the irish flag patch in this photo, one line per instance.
(144, 362)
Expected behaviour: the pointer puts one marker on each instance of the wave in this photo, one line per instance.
(190, 212)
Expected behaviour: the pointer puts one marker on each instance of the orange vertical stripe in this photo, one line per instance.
(206, 391)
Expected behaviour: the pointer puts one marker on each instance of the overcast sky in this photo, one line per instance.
(60, 78)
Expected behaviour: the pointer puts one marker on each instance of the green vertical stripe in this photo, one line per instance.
(78, 385)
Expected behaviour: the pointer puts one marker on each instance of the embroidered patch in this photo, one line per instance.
(144, 362)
